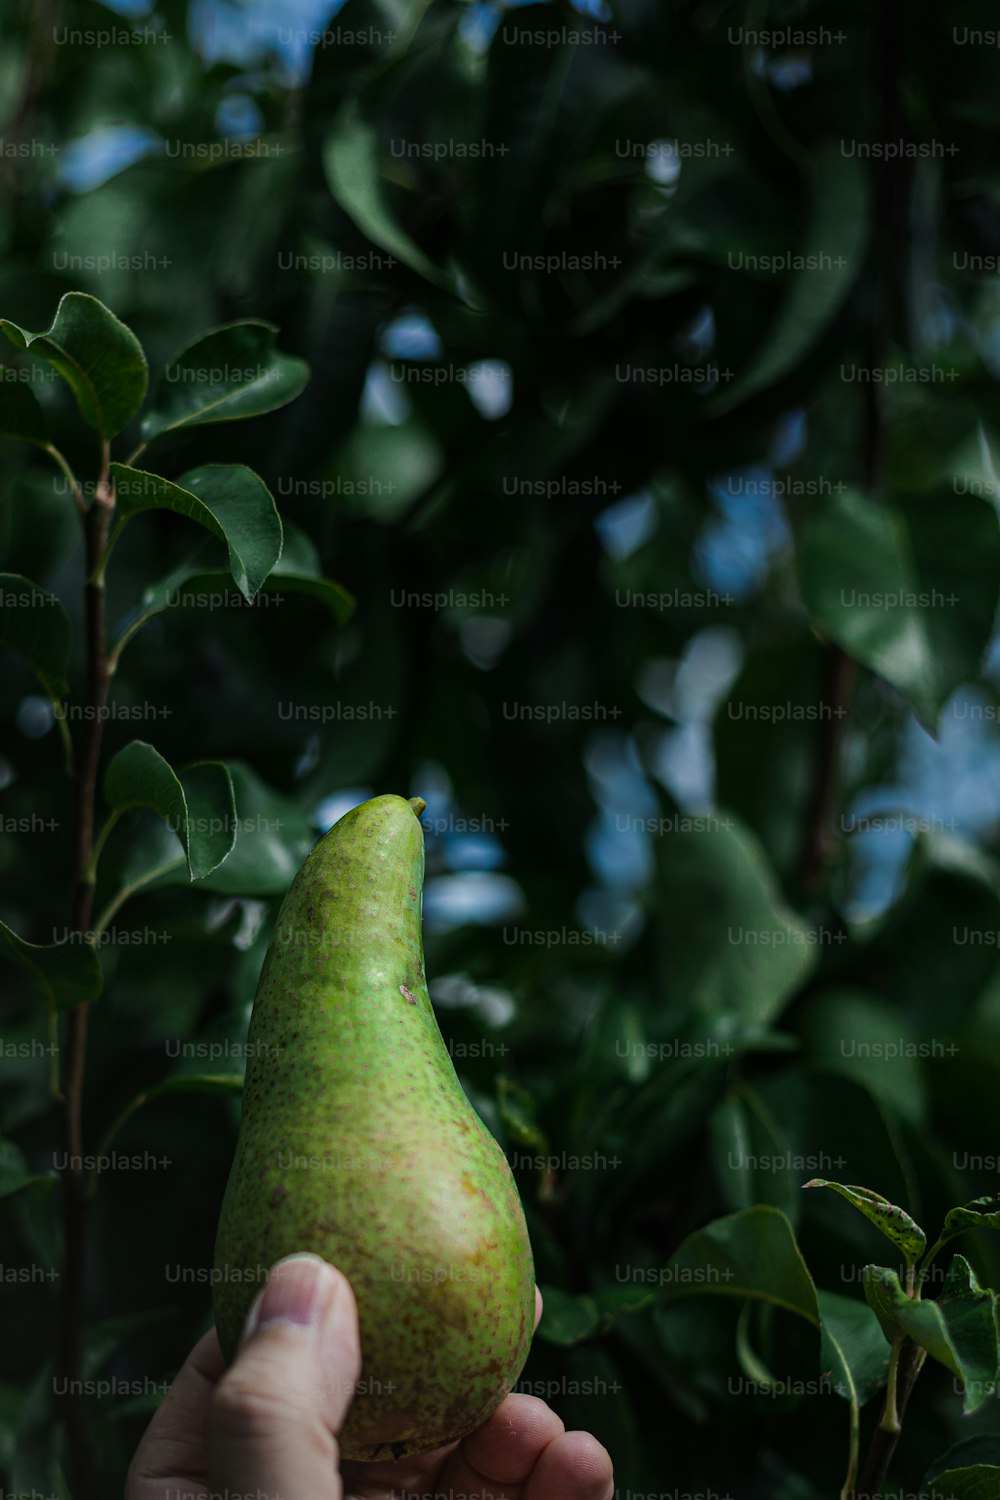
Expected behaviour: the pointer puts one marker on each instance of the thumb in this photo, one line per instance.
(277, 1409)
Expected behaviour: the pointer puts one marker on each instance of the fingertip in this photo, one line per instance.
(509, 1442)
(575, 1466)
(538, 1306)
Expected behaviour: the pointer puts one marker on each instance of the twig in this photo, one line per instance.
(886, 1435)
(96, 523)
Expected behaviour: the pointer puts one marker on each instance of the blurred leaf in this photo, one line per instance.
(298, 570)
(978, 1482)
(230, 374)
(15, 1175)
(197, 805)
(730, 943)
(752, 1158)
(878, 581)
(859, 1036)
(229, 500)
(34, 623)
(221, 1084)
(566, 1319)
(984, 1449)
(354, 172)
(68, 973)
(20, 414)
(99, 357)
(832, 252)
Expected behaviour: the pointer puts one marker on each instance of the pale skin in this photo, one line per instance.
(267, 1425)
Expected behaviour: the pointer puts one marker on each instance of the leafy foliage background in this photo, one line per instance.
(469, 431)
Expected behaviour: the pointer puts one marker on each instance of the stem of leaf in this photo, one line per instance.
(890, 1414)
(126, 636)
(71, 479)
(110, 1135)
(905, 1364)
(66, 740)
(100, 841)
(116, 903)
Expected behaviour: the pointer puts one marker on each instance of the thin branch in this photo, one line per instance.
(71, 479)
(97, 521)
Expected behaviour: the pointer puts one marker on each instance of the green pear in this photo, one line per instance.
(358, 1144)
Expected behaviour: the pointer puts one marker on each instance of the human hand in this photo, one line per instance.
(267, 1425)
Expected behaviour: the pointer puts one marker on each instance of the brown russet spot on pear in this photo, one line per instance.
(359, 1144)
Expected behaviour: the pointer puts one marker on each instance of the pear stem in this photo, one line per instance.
(418, 804)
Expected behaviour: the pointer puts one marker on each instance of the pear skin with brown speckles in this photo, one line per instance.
(358, 1144)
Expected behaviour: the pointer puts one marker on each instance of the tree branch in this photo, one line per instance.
(97, 521)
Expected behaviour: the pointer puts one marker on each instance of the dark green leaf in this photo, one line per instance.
(99, 357)
(832, 252)
(567, 1319)
(67, 973)
(232, 373)
(15, 1175)
(34, 623)
(354, 173)
(884, 584)
(197, 805)
(20, 414)
(978, 1482)
(730, 942)
(229, 500)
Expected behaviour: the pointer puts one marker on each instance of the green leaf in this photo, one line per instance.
(15, 1174)
(99, 357)
(34, 624)
(981, 1213)
(518, 1113)
(298, 571)
(753, 1159)
(198, 805)
(272, 840)
(222, 1084)
(229, 500)
(354, 173)
(566, 1318)
(754, 1254)
(897, 1226)
(832, 252)
(20, 414)
(730, 944)
(229, 374)
(67, 973)
(959, 1330)
(978, 1482)
(984, 1449)
(891, 588)
(857, 1035)
(748, 1254)
(853, 1345)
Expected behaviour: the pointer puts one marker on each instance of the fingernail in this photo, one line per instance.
(300, 1289)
